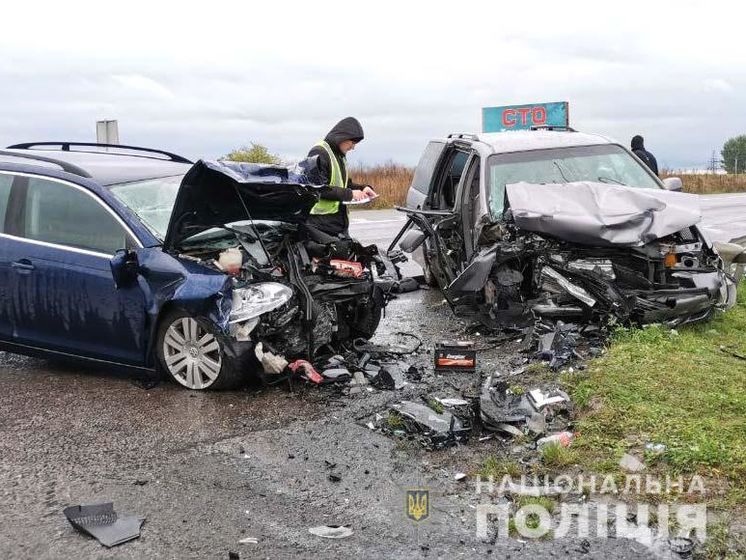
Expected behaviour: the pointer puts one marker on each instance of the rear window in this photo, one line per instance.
(5, 183)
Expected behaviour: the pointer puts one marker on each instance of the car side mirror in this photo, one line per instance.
(411, 240)
(124, 268)
(672, 184)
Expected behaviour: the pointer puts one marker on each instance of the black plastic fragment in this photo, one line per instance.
(102, 523)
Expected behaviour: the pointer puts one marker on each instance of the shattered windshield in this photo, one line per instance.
(152, 200)
(606, 163)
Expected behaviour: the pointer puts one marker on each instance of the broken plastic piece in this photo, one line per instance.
(337, 374)
(271, 363)
(102, 522)
(331, 531)
(438, 429)
(563, 439)
(307, 371)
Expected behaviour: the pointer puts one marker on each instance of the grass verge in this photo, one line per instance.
(677, 388)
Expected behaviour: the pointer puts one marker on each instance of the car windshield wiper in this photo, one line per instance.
(562, 171)
(609, 180)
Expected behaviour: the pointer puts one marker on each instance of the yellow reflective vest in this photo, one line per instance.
(335, 180)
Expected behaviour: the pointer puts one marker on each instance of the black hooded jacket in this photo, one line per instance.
(638, 148)
(347, 129)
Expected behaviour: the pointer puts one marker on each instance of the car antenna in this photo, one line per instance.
(253, 225)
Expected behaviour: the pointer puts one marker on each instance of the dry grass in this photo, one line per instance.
(392, 180)
(709, 184)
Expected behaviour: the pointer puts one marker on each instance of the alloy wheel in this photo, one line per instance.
(192, 354)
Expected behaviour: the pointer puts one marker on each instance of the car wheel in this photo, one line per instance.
(193, 355)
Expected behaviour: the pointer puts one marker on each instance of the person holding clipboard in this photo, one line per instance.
(330, 212)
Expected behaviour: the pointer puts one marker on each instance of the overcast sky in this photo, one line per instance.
(201, 78)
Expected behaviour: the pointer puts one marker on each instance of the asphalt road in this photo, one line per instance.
(209, 469)
(724, 216)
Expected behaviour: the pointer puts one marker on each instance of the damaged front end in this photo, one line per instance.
(286, 285)
(586, 254)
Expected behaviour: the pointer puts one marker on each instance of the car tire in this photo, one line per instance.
(192, 354)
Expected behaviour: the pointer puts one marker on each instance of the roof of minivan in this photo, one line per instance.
(104, 168)
(523, 140)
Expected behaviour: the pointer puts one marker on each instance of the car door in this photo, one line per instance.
(422, 180)
(61, 239)
(6, 181)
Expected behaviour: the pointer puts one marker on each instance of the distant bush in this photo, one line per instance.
(256, 153)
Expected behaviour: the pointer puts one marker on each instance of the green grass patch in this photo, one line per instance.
(677, 388)
(554, 456)
(497, 468)
(547, 503)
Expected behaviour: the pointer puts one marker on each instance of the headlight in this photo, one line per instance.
(255, 300)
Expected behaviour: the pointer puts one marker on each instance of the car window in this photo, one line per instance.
(6, 181)
(152, 200)
(449, 180)
(62, 214)
(423, 173)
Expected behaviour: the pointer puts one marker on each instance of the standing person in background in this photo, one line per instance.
(638, 148)
(330, 214)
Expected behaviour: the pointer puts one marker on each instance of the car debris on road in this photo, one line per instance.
(104, 524)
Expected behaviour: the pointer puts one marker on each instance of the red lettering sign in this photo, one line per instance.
(524, 111)
(509, 117)
(538, 116)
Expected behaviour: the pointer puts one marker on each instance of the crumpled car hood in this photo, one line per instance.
(215, 193)
(600, 214)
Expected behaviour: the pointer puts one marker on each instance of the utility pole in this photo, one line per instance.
(713, 163)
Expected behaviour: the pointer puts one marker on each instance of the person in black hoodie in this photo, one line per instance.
(638, 148)
(330, 214)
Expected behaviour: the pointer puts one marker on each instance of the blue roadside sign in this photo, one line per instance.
(523, 117)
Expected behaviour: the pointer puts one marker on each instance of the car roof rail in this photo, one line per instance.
(65, 165)
(65, 147)
(553, 127)
(464, 136)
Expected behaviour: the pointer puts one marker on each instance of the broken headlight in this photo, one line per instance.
(255, 300)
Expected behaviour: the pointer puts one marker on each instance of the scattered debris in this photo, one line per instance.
(434, 429)
(502, 410)
(271, 363)
(102, 522)
(458, 477)
(337, 374)
(390, 376)
(331, 531)
(249, 540)
(682, 546)
(563, 439)
(306, 370)
(655, 448)
(732, 353)
(630, 463)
